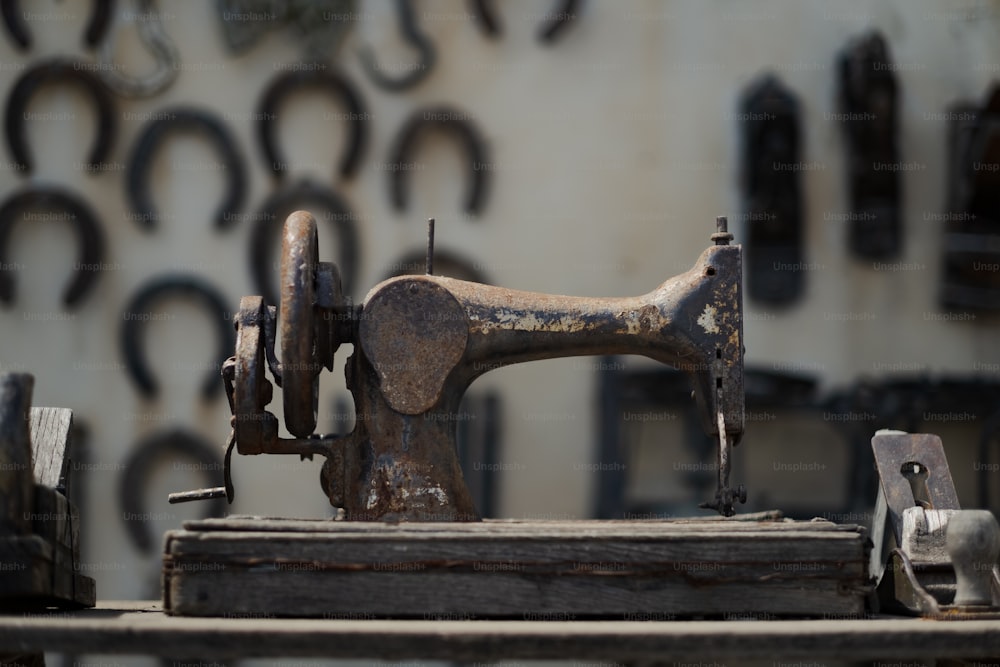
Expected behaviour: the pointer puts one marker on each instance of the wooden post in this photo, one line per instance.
(17, 483)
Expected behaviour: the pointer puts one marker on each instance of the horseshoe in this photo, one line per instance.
(59, 70)
(139, 467)
(13, 18)
(334, 83)
(414, 37)
(89, 234)
(446, 263)
(184, 119)
(457, 123)
(303, 195)
(137, 312)
(557, 20)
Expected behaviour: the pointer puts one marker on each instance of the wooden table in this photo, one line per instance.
(141, 628)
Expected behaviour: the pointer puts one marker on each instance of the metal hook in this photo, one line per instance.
(460, 125)
(89, 234)
(557, 20)
(157, 42)
(310, 196)
(51, 71)
(174, 120)
(139, 466)
(13, 18)
(413, 36)
(335, 83)
(189, 286)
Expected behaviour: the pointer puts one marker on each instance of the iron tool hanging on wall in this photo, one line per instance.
(771, 191)
(869, 118)
(971, 238)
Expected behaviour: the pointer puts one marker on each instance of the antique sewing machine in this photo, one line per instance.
(421, 340)
(412, 542)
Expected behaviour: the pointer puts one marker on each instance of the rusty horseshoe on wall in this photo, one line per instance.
(171, 445)
(178, 119)
(59, 70)
(13, 18)
(135, 313)
(336, 84)
(414, 37)
(302, 195)
(557, 20)
(450, 120)
(89, 234)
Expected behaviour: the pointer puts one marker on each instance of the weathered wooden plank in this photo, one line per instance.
(503, 569)
(51, 432)
(495, 595)
(138, 628)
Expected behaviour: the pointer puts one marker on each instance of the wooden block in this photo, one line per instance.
(515, 569)
(51, 431)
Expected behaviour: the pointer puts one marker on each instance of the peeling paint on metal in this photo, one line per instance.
(707, 320)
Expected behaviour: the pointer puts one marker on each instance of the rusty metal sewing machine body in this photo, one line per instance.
(419, 341)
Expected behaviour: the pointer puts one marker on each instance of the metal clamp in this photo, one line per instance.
(458, 124)
(334, 83)
(177, 119)
(59, 70)
(188, 286)
(90, 238)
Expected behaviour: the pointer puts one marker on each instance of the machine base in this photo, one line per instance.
(531, 570)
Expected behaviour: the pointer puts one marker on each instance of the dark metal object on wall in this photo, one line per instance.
(59, 70)
(971, 236)
(184, 119)
(447, 119)
(149, 24)
(160, 447)
(320, 25)
(90, 238)
(190, 287)
(329, 81)
(869, 118)
(97, 26)
(772, 192)
(410, 30)
(558, 19)
(302, 194)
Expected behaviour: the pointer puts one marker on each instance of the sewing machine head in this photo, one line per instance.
(419, 341)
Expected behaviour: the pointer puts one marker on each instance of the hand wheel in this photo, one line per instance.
(300, 366)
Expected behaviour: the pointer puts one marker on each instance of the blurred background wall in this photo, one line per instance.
(610, 152)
